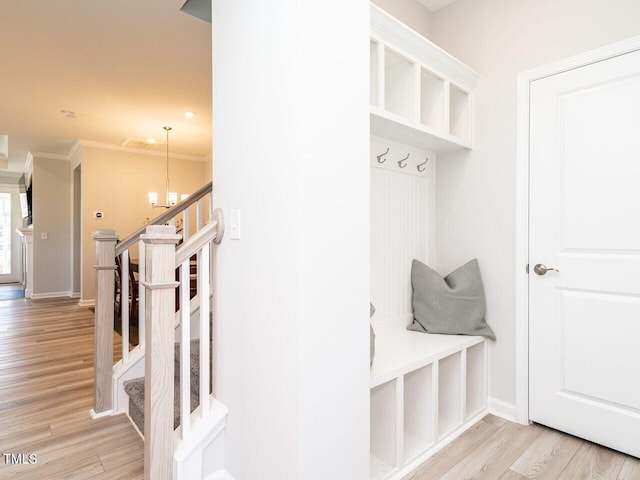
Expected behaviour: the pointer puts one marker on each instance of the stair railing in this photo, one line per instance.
(162, 259)
(107, 250)
(200, 245)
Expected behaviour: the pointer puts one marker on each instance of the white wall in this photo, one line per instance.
(291, 149)
(51, 216)
(409, 12)
(476, 190)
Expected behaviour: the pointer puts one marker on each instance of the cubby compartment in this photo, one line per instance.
(419, 94)
(383, 433)
(431, 100)
(459, 113)
(476, 396)
(373, 73)
(425, 389)
(418, 411)
(399, 97)
(418, 398)
(449, 394)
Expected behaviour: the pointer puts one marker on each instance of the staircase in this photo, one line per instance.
(163, 382)
(135, 389)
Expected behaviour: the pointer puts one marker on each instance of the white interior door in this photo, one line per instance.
(584, 319)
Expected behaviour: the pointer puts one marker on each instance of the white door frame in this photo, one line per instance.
(522, 203)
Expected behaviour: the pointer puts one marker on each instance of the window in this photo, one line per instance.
(5, 233)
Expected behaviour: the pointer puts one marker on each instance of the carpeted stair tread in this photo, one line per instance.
(194, 350)
(135, 388)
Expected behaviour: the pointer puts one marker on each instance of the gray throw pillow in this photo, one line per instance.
(454, 304)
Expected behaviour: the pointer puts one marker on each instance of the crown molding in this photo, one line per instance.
(10, 175)
(153, 153)
(74, 149)
(107, 146)
(52, 156)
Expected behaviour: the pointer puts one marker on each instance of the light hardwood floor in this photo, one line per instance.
(495, 449)
(46, 392)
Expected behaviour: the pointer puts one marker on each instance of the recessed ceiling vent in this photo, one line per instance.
(142, 144)
(198, 8)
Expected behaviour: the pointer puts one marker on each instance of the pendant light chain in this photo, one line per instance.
(167, 129)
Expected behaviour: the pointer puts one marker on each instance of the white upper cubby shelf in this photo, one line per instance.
(420, 95)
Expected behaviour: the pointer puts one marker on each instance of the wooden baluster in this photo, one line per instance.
(198, 215)
(124, 304)
(185, 349)
(105, 293)
(160, 285)
(203, 295)
(142, 304)
(210, 206)
(185, 225)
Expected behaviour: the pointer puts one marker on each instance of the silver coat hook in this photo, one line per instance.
(421, 167)
(380, 159)
(400, 162)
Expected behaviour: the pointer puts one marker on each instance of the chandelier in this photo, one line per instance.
(171, 198)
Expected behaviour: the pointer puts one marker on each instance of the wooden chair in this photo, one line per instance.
(132, 301)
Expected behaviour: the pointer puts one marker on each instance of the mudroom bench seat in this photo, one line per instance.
(426, 389)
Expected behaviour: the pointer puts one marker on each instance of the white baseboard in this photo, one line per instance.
(75, 295)
(502, 409)
(106, 413)
(87, 303)
(220, 475)
(37, 296)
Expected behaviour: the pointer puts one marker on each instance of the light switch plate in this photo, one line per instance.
(235, 224)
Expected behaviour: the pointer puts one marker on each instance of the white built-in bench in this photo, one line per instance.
(426, 390)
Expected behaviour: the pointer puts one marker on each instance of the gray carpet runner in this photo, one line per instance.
(135, 388)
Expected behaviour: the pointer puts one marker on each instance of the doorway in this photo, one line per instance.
(77, 232)
(579, 306)
(10, 245)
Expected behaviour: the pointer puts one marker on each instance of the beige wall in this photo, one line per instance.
(208, 169)
(116, 183)
(408, 12)
(476, 189)
(51, 216)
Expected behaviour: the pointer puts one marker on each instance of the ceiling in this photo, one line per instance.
(434, 5)
(125, 68)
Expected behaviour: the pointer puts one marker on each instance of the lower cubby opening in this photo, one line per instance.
(426, 389)
(418, 411)
(383, 429)
(476, 395)
(449, 394)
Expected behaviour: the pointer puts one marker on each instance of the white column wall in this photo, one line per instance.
(291, 141)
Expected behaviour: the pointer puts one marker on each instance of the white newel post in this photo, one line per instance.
(105, 285)
(160, 284)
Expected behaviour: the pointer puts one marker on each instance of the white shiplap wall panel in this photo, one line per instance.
(402, 228)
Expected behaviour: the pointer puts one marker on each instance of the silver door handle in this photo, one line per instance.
(540, 269)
